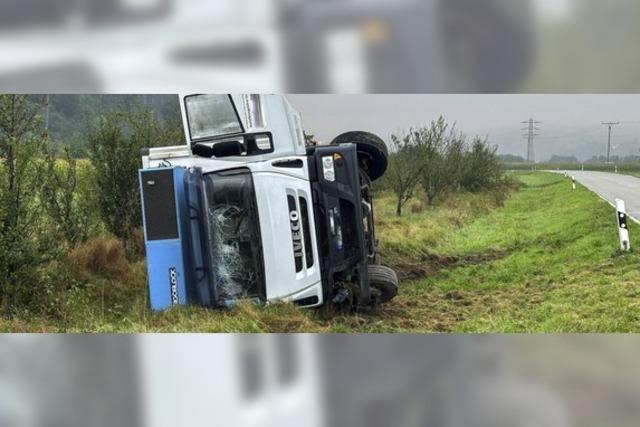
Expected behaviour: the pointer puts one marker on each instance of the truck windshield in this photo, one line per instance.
(209, 116)
(234, 233)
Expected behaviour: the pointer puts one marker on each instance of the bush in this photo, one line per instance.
(103, 256)
(93, 281)
(114, 150)
(405, 167)
(482, 169)
(115, 159)
(440, 159)
(67, 200)
(55, 260)
(25, 241)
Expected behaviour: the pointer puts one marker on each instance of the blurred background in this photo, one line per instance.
(315, 46)
(332, 380)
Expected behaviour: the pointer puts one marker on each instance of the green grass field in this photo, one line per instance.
(629, 168)
(555, 267)
(546, 261)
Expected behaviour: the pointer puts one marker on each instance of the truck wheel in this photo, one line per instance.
(373, 155)
(384, 280)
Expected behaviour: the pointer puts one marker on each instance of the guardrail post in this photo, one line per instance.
(623, 230)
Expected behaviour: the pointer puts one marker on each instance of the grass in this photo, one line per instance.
(558, 269)
(546, 261)
(630, 168)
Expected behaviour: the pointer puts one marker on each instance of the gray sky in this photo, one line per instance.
(571, 123)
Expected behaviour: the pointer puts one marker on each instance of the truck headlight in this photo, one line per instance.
(328, 169)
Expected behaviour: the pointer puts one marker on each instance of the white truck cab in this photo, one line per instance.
(246, 210)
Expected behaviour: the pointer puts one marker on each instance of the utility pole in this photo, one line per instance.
(530, 135)
(610, 125)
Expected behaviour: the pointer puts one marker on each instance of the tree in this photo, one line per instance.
(482, 167)
(405, 167)
(455, 152)
(114, 150)
(116, 158)
(60, 196)
(23, 236)
(435, 173)
(441, 160)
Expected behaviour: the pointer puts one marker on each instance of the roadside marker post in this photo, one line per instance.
(623, 230)
(573, 182)
(565, 174)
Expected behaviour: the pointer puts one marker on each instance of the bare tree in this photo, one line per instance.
(405, 166)
(435, 174)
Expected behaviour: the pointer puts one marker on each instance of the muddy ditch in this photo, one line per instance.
(428, 264)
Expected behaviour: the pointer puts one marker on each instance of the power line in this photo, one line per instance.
(610, 125)
(530, 135)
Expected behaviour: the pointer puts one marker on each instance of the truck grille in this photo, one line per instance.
(308, 250)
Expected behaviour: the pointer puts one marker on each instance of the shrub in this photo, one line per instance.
(103, 256)
(482, 169)
(25, 244)
(442, 161)
(417, 208)
(92, 282)
(115, 144)
(66, 200)
(405, 167)
(115, 159)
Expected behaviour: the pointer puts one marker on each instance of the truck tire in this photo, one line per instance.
(373, 155)
(384, 280)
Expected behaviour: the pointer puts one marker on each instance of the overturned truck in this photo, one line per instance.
(246, 210)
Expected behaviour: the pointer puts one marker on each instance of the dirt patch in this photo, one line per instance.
(428, 264)
(454, 295)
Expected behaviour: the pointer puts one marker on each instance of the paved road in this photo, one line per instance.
(612, 186)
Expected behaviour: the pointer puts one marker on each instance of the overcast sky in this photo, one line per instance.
(570, 123)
